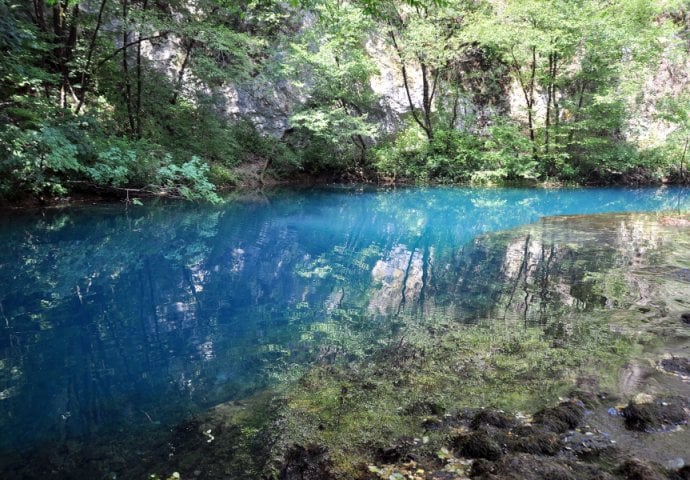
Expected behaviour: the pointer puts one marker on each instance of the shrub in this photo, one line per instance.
(37, 160)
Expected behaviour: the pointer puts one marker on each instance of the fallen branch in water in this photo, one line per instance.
(147, 191)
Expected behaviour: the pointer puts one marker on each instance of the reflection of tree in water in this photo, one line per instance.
(92, 319)
(401, 279)
(534, 273)
(129, 320)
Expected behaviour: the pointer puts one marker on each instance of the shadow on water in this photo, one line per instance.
(115, 322)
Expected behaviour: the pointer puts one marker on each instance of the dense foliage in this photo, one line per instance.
(133, 96)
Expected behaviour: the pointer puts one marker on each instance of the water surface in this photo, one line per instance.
(112, 319)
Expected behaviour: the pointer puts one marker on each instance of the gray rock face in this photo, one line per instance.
(269, 100)
(266, 104)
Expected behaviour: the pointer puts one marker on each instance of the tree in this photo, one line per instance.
(425, 37)
(572, 61)
(75, 82)
(333, 56)
(677, 112)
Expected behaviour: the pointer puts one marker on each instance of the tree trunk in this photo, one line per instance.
(550, 107)
(580, 103)
(527, 86)
(547, 120)
(427, 97)
(139, 77)
(406, 84)
(180, 74)
(530, 103)
(454, 117)
(127, 97)
(40, 15)
(554, 103)
(682, 160)
(85, 75)
(59, 50)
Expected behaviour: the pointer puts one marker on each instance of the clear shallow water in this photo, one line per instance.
(113, 319)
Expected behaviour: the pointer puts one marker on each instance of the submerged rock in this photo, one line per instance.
(677, 365)
(682, 473)
(307, 463)
(528, 467)
(685, 318)
(401, 450)
(479, 444)
(494, 418)
(530, 439)
(658, 415)
(566, 416)
(591, 446)
(636, 469)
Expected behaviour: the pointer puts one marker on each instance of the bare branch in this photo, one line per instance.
(113, 54)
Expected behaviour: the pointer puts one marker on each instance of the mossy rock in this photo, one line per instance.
(529, 467)
(401, 450)
(530, 439)
(658, 415)
(677, 365)
(478, 444)
(636, 469)
(307, 463)
(561, 418)
(494, 418)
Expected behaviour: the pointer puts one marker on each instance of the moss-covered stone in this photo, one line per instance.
(636, 469)
(494, 418)
(311, 462)
(561, 418)
(478, 444)
(529, 439)
(657, 415)
(677, 365)
(530, 467)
